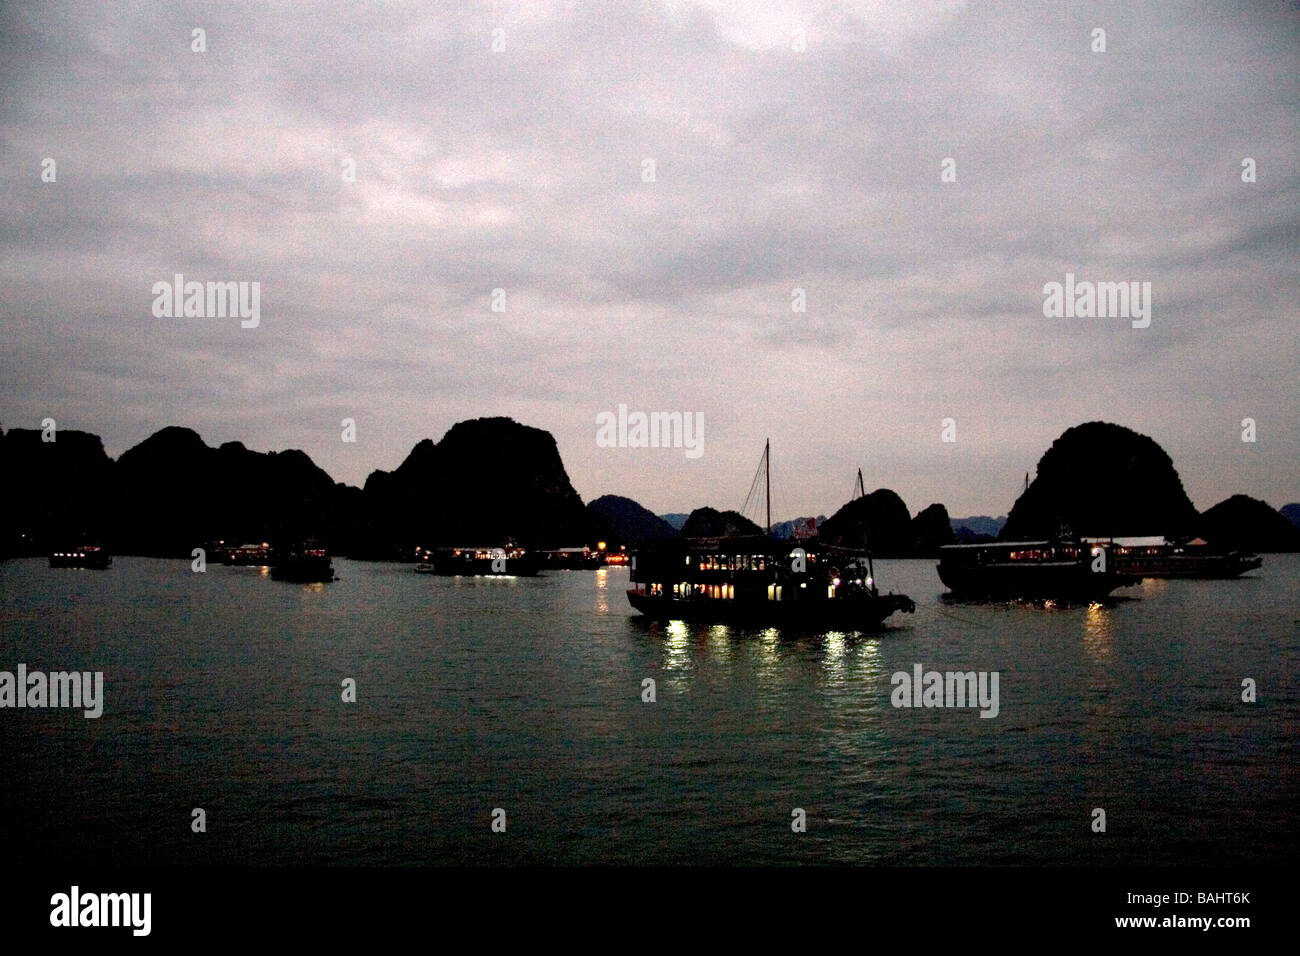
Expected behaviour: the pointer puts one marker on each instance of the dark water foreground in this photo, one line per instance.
(223, 691)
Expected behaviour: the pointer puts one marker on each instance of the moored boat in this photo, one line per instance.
(572, 559)
(490, 562)
(244, 555)
(84, 556)
(1155, 557)
(1057, 570)
(755, 581)
(302, 564)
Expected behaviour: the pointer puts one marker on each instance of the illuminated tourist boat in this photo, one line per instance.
(491, 562)
(1157, 558)
(244, 555)
(85, 556)
(755, 581)
(1063, 569)
(570, 559)
(302, 564)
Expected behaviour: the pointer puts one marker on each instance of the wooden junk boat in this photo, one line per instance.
(755, 581)
(1061, 569)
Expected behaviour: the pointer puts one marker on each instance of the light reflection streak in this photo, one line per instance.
(833, 660)
(768, 648)
(677, 646)
(1097, 637)
(867, 666)
(720, 643)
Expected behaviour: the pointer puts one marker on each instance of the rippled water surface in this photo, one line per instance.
(223, 691)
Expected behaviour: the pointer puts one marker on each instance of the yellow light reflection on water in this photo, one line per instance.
(836, 643)
(1097, 636)
(769, 645)
(720, 643)
(677, 646)
(867, 664)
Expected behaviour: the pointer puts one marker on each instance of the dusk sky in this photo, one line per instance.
(649, 183)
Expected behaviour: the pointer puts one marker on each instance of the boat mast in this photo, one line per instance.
(860, 491)
(767, 462)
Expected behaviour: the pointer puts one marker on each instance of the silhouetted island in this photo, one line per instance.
(1104, 480)
(1248, 524)
(488, 481)
(1100, 479)
(493, 481)
(628, 523)
(711, 523)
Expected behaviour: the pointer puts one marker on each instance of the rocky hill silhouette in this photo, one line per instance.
(711, 523)
(1100, 479)
(629, 523)
(1248, 524)
(487, 482)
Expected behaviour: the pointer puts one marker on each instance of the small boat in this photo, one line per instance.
(756, 581)
(504, 562)
(1064, 570)
(1155, 557)
(302, 564)
(85, 556)
(572, 559)
(244, 555)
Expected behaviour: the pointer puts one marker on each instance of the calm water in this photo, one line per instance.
(223, 692)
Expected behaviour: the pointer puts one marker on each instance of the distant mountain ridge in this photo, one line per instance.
(675, 519)
(797, 527)
(1292, 513)
(979, 525)
(493, 480)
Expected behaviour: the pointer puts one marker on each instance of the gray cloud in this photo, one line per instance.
(775, 169)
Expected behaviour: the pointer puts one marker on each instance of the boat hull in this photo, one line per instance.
(1217, 566)
(1064, 581)
(845, 614)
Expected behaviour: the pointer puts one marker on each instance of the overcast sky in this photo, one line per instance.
(795, 145)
